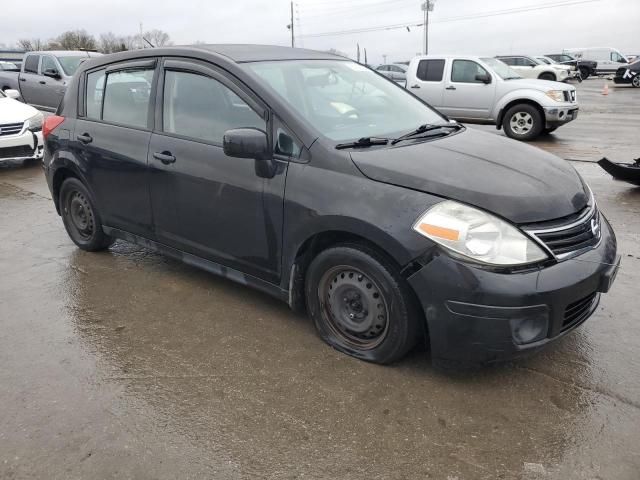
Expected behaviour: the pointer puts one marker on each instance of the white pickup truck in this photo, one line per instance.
(485, 90)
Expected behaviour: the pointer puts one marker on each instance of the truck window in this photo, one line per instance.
(616, 57)
(31, 64)
(465, 71)
(430, 70)
(48, 64)
(202, 108)
(126, 97)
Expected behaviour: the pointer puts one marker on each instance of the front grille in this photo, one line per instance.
(578, 311)
(569, 95)
(574, 235)
(17, 152)
(10, 129)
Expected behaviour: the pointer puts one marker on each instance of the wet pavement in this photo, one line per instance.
(125, 364)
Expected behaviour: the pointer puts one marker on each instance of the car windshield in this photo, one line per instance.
(345, 100)
(502, 69)
(71, 64)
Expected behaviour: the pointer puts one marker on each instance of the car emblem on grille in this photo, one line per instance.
(594, 227)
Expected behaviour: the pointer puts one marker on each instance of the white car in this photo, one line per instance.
(572, 72)
(20, 129)
(529, 67)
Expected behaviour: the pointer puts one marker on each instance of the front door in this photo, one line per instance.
(112, 135)
(49, 90)
(205, 203)
(466, 95)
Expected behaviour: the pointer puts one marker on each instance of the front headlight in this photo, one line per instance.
(557, 95)
(35, 123)
(477, 235)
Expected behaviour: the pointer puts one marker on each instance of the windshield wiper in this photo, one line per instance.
(425, 128)
(363, 142)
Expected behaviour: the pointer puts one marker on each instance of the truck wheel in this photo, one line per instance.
(361, 305)
(80, 217)
(584, 73)
(522, 122)
(636, 81)
(547, 76)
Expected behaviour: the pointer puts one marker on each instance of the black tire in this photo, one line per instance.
(636, 81)
(522, 122)
(547, 76)
(584, 72)
(81, 218)
(361, 305)
(550, 130)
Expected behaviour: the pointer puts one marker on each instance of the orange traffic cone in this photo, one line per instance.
(605, 89)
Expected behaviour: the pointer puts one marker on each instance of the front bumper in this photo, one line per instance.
(26, 145)
(556, 116)
(475, 315)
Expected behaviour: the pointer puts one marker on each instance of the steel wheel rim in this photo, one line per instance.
(521, 123)
(78, 211)
(354, 307)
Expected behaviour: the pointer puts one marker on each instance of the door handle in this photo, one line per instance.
(450, 87)
(42, 82)
(165, 157)
(415, 86)
(23, 79)
(85, 138)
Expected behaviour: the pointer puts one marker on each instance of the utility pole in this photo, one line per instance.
(427, 7)
(292, 37)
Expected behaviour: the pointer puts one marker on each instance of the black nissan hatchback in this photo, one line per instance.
(319, 181)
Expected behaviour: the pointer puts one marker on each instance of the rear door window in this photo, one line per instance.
(126, 97)
(430, 70)
(31, 64)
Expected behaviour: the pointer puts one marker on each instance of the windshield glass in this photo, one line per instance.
(71, 64)
(502, 69)
(345, 100)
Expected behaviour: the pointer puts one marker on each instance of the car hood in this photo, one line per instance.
(511, 179)
(540, 85)
(12, 111)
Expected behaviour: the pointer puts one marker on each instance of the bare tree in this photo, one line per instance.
(31, 44)
(75, 40)
(158, 38)
(110, 43)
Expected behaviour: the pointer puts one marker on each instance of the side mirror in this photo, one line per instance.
(11, 93)
(486, 78)
(246, 143)
(51, 72)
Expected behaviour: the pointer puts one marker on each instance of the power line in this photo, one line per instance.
(450, 19)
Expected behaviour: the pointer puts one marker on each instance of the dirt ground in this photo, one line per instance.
(125, 364)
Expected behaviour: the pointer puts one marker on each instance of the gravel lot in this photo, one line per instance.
(125, 364)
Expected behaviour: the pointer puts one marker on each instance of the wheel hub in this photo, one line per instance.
(355, 306)
(80, 214)
(521, 123)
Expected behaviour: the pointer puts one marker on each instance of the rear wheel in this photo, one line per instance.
(547, 76)
(81, 218)
(361, 305)
(522, 122)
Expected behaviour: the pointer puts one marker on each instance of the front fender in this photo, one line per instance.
(521, 95)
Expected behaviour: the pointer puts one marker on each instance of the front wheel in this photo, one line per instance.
(636, 81)
(81, 218)
(522, 122)
(584, 73)
(361, 305)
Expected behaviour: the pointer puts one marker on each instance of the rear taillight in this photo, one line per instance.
(50, 124)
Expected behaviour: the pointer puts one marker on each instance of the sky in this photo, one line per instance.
(610, 23)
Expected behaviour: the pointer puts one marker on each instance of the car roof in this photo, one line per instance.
(259, 53)
(65, 53)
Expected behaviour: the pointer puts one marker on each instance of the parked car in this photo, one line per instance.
(629, 74)
(13, 56)
(342, 194)
(9, 67)
(485, 90)
(20, 129)
(396, 72)
(608, 59)
(586, 67)
(529, 67)
(44, 76)
(572, 72)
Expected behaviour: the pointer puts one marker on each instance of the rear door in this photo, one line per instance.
(204, 202)
(112, 135)
(427, 82)
(464, 95)
(29, 78)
